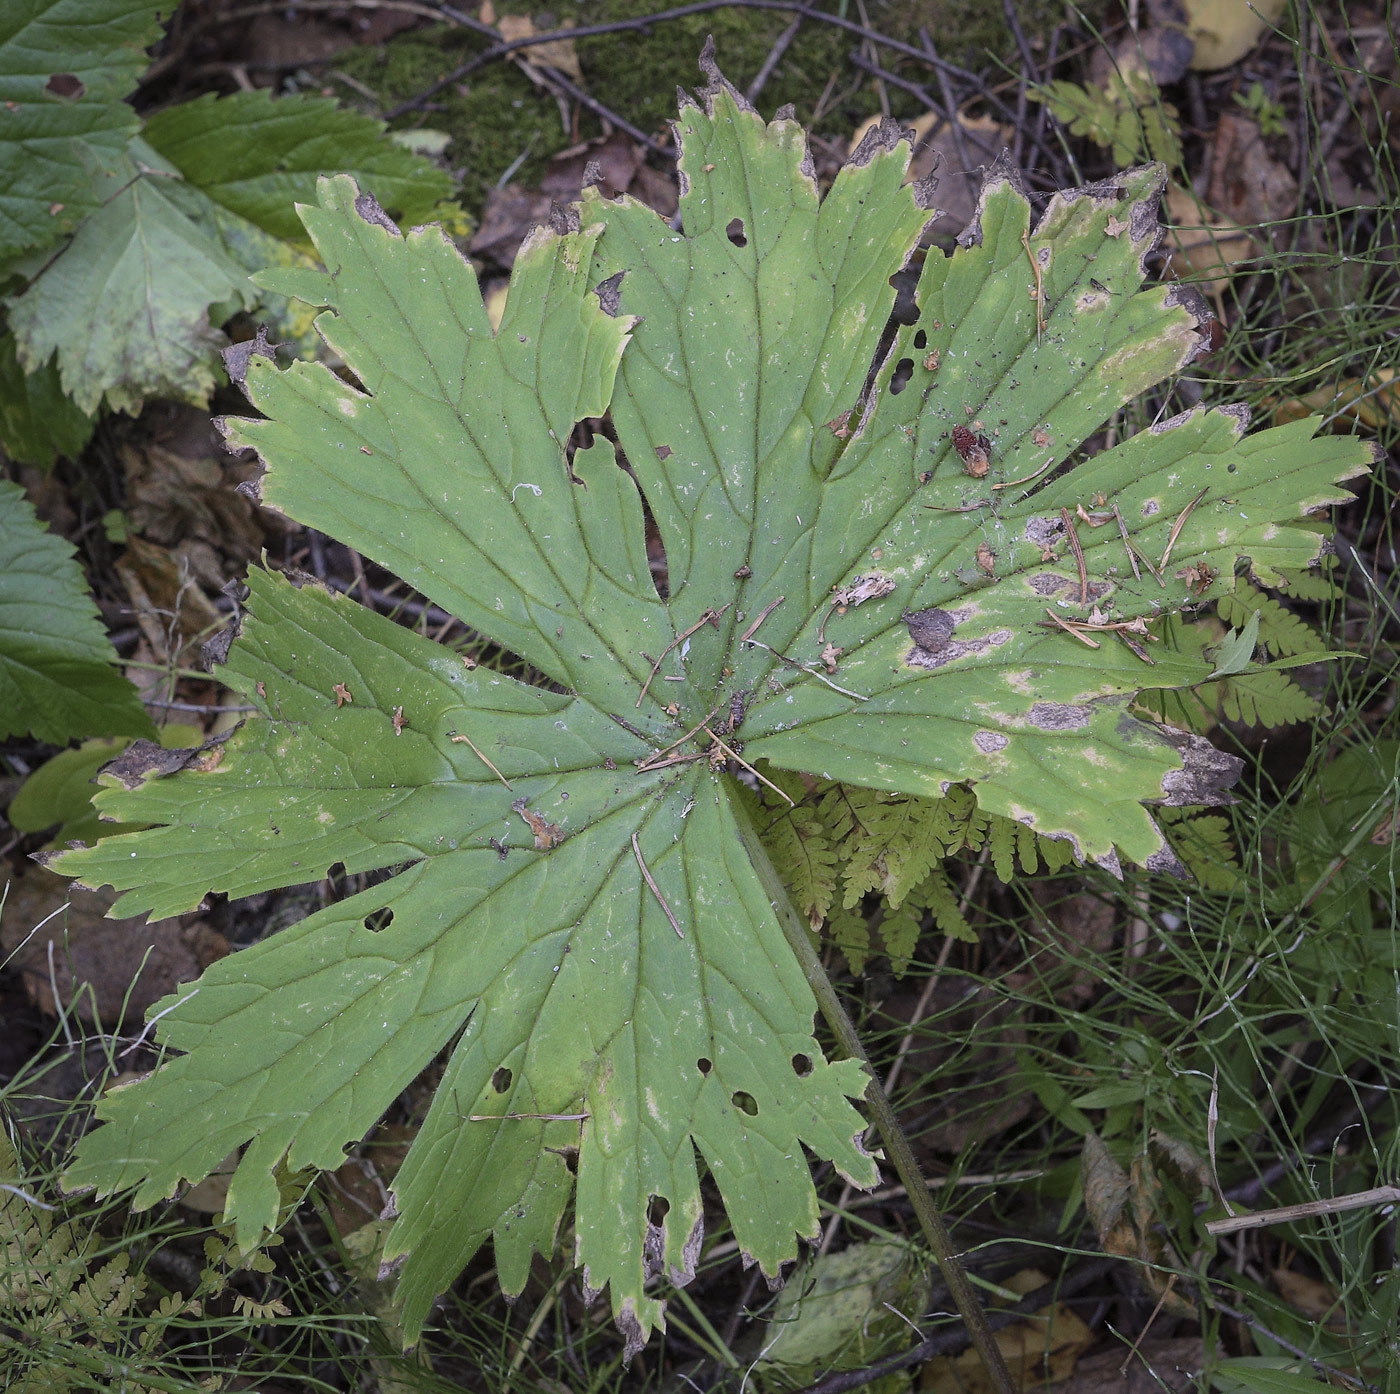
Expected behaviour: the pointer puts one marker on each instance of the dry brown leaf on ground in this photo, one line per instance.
(937, 151)
(130, 964)
(1106, 1189)
(1223, 31)
(509, 215)
(1249, 191)
(1159, 49)
(1373, 401)
(1202, 249)
(358, 1191)
(512, 211)
(172, 610)
(986, 1102)
(173, 497)
(1168, 1366)
(1247, 185)
(1082, 929)
(1130, 1210)
(1038, 1350)
(557, 53)
(614, 160)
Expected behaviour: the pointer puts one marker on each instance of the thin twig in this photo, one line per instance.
(1127, 542)
(1348, 1381)
(1026, 479)
(729, 751)
(1178, 525)
(1078, 555)
(922, 93)
(467, 740)
(709, 617)
(588, 31)
(802, 667)
(655, 889)
(1075, 630)
(514, 1117)
(645, 763)
(767, 610)
(1286, 1214)
(950, 108)
(606, 112)
(775, 56)
(1039, 288)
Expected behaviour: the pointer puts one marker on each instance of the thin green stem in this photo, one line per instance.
(897, 1146)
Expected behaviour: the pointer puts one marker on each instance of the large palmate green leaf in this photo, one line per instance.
(872, 548)
(58, 675)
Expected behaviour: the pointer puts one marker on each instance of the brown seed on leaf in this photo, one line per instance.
(342, 694)
(972, 450)
(839, 426)
(547, 834)
(1198, 576)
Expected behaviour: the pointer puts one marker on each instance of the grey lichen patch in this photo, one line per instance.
(1050, 584)
(367, 206)
(143, 760)
(1205, 773)
(609, 295)
(1165, 861)
(1059, 716)
(953, 649)
(1043, 531)
(990, 742)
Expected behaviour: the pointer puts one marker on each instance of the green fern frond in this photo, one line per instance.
(849, 930)
(1279, 629)
(1315, 584)
(944, 904)
(1204, 847)
(1127, 117)
(1266, 699)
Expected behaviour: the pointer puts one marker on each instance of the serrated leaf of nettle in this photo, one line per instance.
(66, 67)
(58, 677)
(585, 914)
(259, 156)
(37, 422)
(124, 308)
